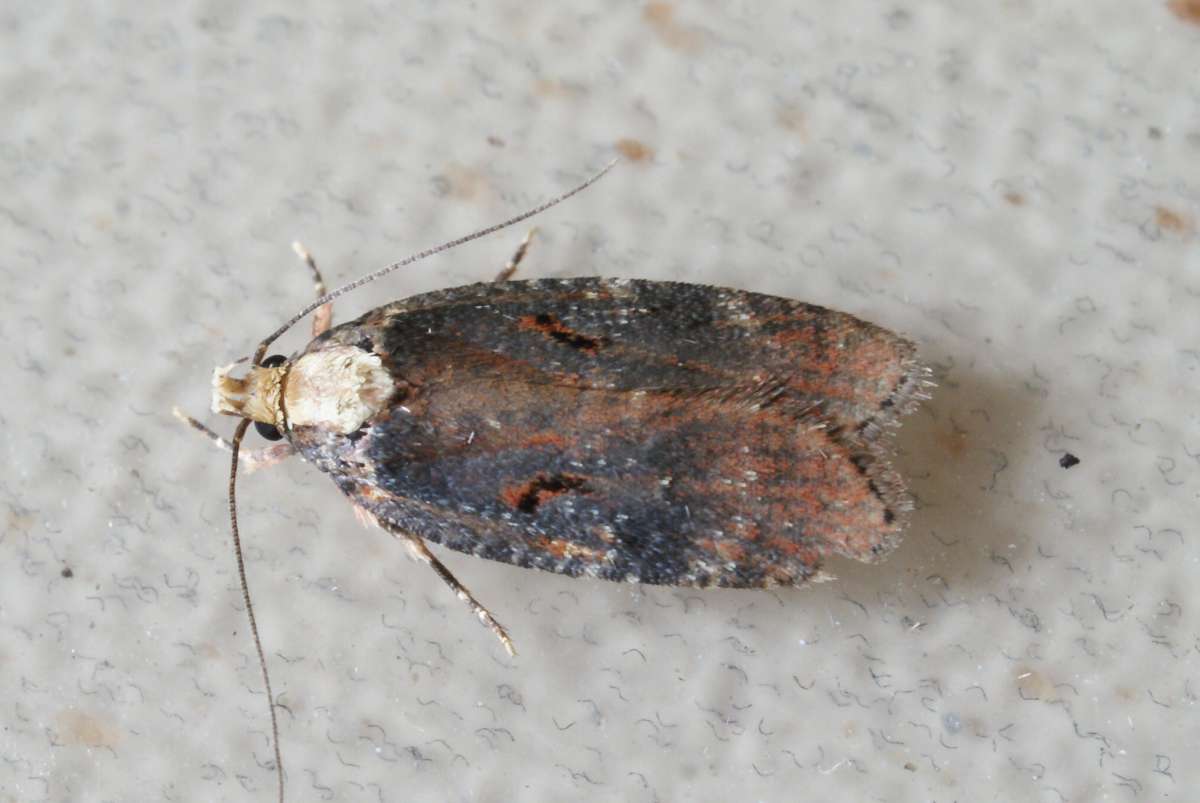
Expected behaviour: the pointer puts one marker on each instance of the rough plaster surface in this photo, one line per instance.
(1016, 185)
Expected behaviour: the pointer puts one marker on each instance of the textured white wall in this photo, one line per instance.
(1016, 185)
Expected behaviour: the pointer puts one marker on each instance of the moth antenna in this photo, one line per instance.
(384, 271)
(235, 445)
(240, 432)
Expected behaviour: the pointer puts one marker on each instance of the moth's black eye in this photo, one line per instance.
(274, 361)
(268, 431)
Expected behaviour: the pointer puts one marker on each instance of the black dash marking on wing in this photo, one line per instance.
(528, 496)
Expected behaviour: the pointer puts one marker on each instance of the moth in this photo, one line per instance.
(642, 431)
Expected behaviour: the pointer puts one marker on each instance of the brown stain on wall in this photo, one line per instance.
(20, 521)
(792, 118)
(953, 442)
(634, 150)
(1033, 685)
(553, 88)
(661, 17)
(77, 727)
(1173, 222)
(1186, 10)
(464, 183)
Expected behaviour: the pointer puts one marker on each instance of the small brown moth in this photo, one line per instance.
(641, 431)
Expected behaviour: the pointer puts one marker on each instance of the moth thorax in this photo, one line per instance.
(255, 396)
(336, 388)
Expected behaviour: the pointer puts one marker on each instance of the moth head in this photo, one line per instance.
(336, 388)
(257, 396)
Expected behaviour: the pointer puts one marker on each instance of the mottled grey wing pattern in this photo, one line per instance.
(629, 430)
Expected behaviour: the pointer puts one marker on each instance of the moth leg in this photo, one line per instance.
(249, 459)
(511, 266)
(417, 547)
(323, 317)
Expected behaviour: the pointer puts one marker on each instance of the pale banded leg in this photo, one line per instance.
(511, 267)
(323, 317)
(420, 552)
(249, 459)
(252, 460)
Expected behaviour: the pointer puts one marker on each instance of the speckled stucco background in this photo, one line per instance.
(1016, 185)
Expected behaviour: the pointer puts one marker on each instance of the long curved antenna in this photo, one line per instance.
(240, 432)
(235, 445)
(370, 277)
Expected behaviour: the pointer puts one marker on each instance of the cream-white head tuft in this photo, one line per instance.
(256, 396)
